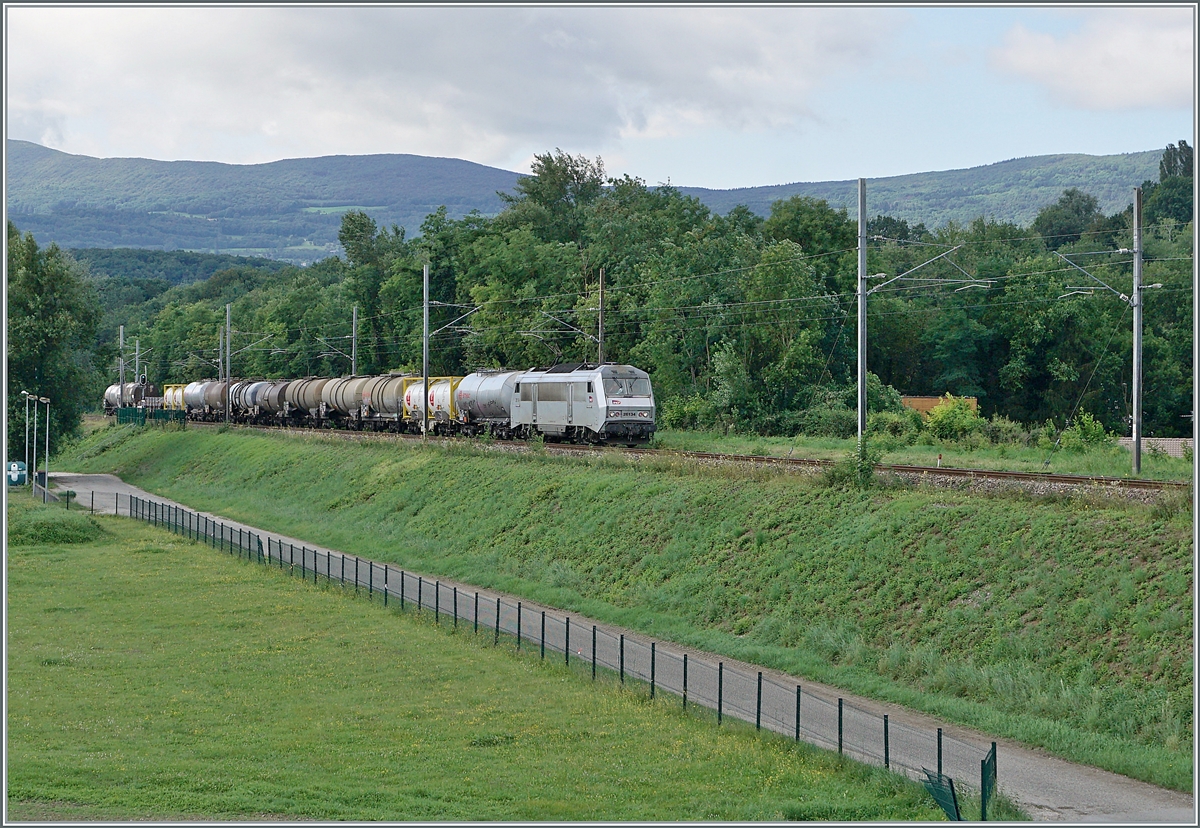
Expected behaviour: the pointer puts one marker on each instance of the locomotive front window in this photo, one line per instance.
(627, 387)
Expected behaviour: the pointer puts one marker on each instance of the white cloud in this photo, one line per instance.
(254, 84)
(1119, 59)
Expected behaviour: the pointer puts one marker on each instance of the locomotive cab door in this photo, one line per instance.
(570, 403)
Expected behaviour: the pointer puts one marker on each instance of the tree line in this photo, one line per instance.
(744, 322)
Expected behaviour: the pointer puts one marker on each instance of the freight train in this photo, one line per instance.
(581, 403)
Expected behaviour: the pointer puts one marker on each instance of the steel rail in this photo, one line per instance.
(769, 460)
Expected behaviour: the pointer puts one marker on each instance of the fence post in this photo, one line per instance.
(370, 579)
(385, 580)
(476, 630)
(542, 638)
(401, 589)
(758, 705)
(329, 570)
(518, 626)
(437, 602)
(651, 669)
(343, 578)
(685, 681)
(622, 658)
(839, 726)
(93, 501)
(720, 688)
(456, 608)
(567, 644)
(496, 640)
(356, 561)
(887, 760)
(797, 712)
(939, 751)
(420, 590)
(593, 652)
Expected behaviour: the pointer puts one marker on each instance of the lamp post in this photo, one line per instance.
(33, 469)
(46, 479)
(26, 395)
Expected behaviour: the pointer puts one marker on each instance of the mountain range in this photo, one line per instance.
(291, 209)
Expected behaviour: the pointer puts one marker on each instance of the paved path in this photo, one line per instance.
(1050, 789)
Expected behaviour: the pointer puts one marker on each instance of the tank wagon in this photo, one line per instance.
(136, 395)
(579, 403)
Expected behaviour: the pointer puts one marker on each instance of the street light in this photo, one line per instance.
(33, 475)
(46, 479)
(26, 395)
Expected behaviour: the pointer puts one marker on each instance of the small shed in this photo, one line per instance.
(926, 404)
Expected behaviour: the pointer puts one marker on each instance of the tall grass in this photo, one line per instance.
(1064, 623)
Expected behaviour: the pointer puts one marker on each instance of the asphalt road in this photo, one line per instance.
(1048, 788)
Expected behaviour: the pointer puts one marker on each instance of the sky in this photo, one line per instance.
(705, 95)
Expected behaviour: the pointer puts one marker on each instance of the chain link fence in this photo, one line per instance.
(729, 691)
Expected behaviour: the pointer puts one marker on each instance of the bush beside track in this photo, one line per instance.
(1063, 623)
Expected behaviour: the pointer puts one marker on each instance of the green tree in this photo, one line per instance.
(1067, 219)
(53, 314)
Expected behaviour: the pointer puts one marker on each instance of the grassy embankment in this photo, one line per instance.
(1096, 461)
(1060, 622)
(151, 678)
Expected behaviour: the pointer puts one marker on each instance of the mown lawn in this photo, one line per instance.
(150, 678)
(1060, 622)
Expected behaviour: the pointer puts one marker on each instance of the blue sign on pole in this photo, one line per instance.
(16, 473)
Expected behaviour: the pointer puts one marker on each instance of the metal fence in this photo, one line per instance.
(729, 692)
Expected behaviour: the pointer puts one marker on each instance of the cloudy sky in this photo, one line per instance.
(703, 96)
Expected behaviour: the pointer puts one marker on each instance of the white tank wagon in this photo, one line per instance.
(137, 394)
(442, 417)
(483, 402)
(173, 397)
(193, 395)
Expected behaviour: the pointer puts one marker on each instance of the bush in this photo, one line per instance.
(1000, 430)
(690, 412)
(902, 427)
(953, 418)
(838, 422)
(1086, 432)
(856, 469)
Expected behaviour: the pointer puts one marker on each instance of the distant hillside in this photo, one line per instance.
(291, 210)
(1008, 191)
(287, 209)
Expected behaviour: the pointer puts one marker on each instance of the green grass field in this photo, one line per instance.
(1100, 461)
(1060, 622)
(151, 678)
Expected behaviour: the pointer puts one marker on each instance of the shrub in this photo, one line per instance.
(953, 418)
(856, 469)
(1086, 432)
(690, 412)
(1000, 430)
(903, 427)
(827, 422)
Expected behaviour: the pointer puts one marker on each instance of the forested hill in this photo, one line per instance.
(291, 209)
(1010, 191)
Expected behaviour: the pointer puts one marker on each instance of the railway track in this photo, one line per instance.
(795, 463)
